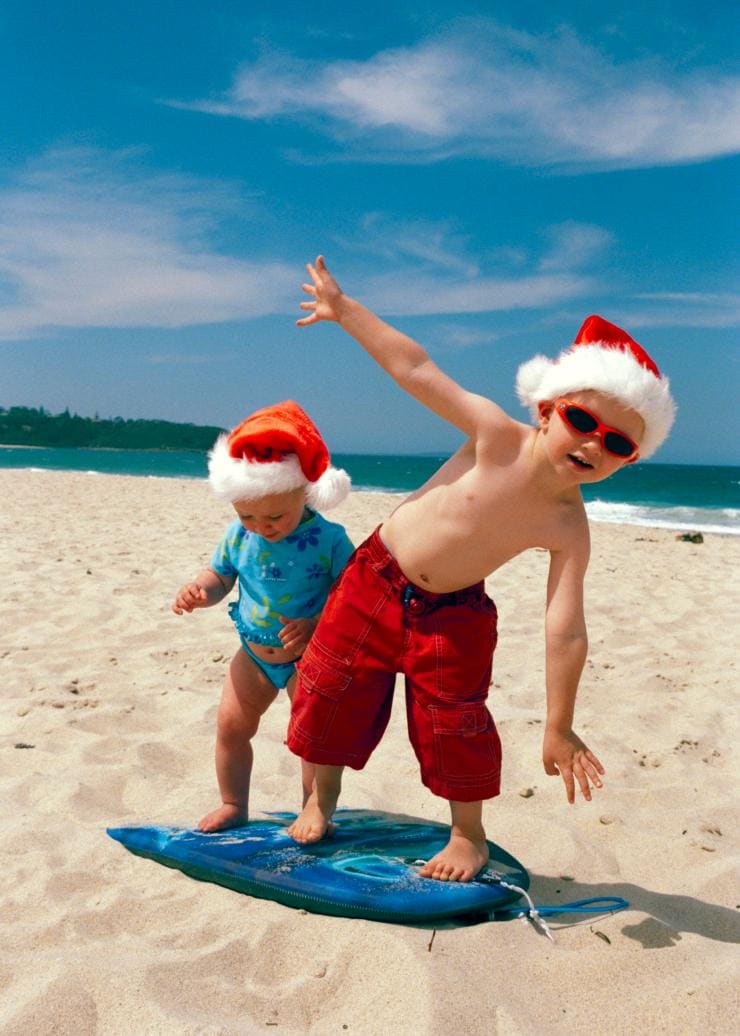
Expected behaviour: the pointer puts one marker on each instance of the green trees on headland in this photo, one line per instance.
(27, 426)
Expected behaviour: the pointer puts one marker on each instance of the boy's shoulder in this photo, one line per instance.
(502, 445)
(570, 530)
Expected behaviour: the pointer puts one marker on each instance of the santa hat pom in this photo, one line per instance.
(329, 490)
(275, 450)
(529, 377)
(606, 359)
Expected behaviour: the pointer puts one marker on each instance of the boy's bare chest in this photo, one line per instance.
(447, 540)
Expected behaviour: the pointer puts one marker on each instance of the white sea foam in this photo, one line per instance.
(361, 488)
(725, 521)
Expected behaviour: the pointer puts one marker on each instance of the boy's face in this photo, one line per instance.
(273, 517)
(582, 453)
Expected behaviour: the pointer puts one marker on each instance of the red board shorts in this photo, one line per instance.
(376, 624)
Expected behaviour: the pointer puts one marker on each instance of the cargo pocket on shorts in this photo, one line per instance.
(322, 688)
(466, 744)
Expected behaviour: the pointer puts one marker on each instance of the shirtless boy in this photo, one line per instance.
(411, 599)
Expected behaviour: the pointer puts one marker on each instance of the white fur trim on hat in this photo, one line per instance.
(234, 478)
(602, 367)
(328, 490)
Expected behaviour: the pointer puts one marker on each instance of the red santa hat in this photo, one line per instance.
(604, 358)
(274, 450)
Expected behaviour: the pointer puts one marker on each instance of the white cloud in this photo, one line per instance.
(432, 270)
(574, 245)
(430, 243)
(685, 309)
(172, 359)
(710, 298)
(87, 240)
(411, 294)
(395, 88)
(484, 89)
(459, 337)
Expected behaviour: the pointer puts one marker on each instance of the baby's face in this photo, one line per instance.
(273, 517)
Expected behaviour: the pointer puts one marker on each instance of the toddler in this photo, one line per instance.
(274, 469)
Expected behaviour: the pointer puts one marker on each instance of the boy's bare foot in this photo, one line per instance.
(311, 825)
(314, 821)
(227, 815)
(460, 860)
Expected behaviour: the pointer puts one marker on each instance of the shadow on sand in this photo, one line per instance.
(669, 915)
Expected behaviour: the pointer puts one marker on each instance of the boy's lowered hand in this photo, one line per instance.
(564, 753)
(327, 295)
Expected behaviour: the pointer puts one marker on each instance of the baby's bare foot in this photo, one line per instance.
(460, 860)
(222, 818)
(311, 825)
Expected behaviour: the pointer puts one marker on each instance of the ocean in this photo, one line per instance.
(685, 497)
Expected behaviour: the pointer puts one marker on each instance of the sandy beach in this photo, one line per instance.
(109, 705)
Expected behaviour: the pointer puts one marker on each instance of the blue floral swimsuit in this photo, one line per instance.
(291, 578)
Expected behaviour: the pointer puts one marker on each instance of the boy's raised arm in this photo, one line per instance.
(403, 358)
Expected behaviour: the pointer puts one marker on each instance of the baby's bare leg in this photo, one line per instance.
(308, 770)
(246, 695)
(467, 850)
(315, 819)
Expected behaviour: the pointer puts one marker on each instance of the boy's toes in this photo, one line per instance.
(305, 833)
(311, 826)
(294, 831)
(460, 860)
(435, 869)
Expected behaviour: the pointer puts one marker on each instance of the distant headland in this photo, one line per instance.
(28, 426)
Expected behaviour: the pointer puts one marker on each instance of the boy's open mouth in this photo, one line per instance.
(580, 463)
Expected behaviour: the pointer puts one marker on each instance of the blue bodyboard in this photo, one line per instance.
(368, 868)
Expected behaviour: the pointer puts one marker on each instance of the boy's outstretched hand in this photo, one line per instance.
(564, 753)
(327, 295)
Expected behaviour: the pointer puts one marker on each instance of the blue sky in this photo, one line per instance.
(483, 175)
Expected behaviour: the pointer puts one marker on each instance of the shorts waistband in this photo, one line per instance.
(416, 598)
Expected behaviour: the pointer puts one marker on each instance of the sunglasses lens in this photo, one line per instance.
(581, 420)
(586, 423)
(618, 444)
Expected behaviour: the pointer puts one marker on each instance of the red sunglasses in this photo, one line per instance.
(582, 420)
